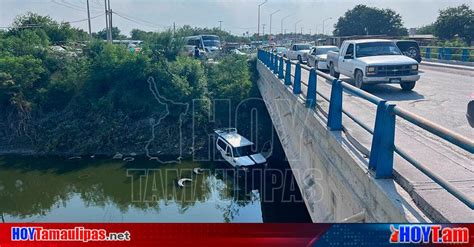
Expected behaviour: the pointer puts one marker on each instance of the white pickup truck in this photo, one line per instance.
(373, 61)
(298, 52)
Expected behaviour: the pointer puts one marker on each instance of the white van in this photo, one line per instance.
(237, 150)
(207, 43)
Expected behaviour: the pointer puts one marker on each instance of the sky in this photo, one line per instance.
(237, 16)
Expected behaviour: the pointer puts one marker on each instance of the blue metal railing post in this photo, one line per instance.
(280, 69)
(288, 73)
(465, 55)
(312, 85)
(440, 52)
(335, 106)
(267, 59)
(275, 65)
(447, 52)
(297, 82)
(271, 61)
(381, 152)
(428, 52)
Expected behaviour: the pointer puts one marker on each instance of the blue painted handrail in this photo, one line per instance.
(447, 53)
(383, 135)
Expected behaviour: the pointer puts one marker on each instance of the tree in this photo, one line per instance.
(138, 34)
(363, 20)
(56, 32)
(456, 21)
(115, 34)
(426, 29)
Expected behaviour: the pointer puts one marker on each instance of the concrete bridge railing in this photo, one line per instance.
(383, 146)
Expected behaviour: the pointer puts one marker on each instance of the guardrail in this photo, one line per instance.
(383, 134)
(464, 54)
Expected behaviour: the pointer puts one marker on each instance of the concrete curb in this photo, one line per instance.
(450, 66)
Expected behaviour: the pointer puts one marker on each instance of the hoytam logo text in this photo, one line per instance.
(75, 234)
(435, 234)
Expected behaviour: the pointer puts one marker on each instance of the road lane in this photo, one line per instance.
(437, 99)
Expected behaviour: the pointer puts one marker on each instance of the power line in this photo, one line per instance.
(144, 21)
(139, 21)
(81, 20)
(68, 5)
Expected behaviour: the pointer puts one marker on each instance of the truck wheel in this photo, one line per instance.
(407, 86)
(300, 59)
(359, 79)
(332, 71)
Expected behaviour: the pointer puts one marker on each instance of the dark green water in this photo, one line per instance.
(90, 190)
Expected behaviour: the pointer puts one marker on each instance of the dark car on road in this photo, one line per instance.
(470, 113)
(410, 48)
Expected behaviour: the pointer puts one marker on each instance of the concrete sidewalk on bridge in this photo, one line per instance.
(452, 163)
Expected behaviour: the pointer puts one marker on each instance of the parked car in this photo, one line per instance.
(298, 52)
(410, 48)
(238, 52)
(470, 113)
(318, 55)
(237, 150)
(373, 61)
(280, 50)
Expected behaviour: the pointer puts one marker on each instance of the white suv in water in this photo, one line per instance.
(237, 150)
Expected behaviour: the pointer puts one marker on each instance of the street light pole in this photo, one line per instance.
(296, 23)
(271, 15)
(220, 25)
(283, 20)
(325, 21)
(258, 25)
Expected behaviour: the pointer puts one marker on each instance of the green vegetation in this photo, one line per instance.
(456, 22)
(363, 20)
(94, 97)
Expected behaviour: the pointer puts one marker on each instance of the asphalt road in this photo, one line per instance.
(441, 95)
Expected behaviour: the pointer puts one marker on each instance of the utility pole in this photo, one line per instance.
(263, 27)
(220, 25)
(296, 24)
(174, 28)
(325, 21)
(271, 15)
(89, 19)
(258, 24)
(110, 23)
(106, 20)
(283, 20)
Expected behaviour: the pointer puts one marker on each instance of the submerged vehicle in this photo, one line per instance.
(237, 150)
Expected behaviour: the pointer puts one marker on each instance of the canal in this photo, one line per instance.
(39, 189)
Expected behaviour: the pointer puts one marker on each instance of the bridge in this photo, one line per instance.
(371, 157)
